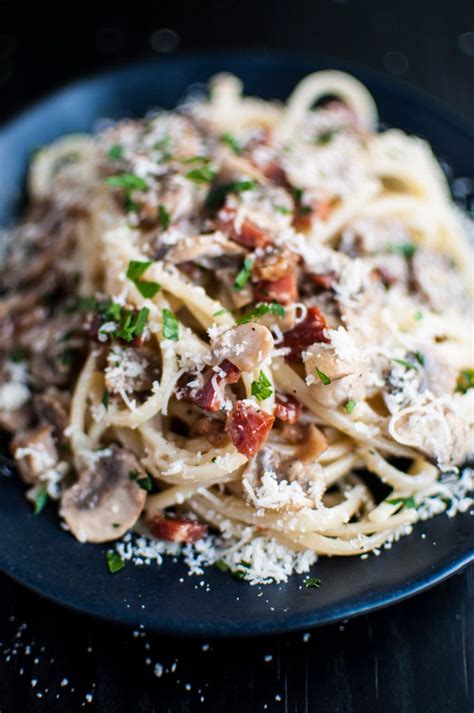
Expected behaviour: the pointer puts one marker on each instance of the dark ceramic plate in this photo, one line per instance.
(39, 554)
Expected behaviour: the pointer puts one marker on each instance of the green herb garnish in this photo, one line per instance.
(220, 312)
(41, 498)
(134, 271)
(312, 582)
(406, 502)
(105, 399)
(231, 142)
(326, 136)
(420, 358)
(222, 565)
(261, 388)
(203, 174)
(164, 217)
(244, 275)
(114, 562)
(418, 316)
(272, 308)
(404, 362)
(217, 196)
(350, 406)
(405, 249)
(128, 181)
(323, 377)
(115, 152)
(132, 324)
(145, 482)
(18, 354)
(170, 326)
(465, 381)
(283, 210)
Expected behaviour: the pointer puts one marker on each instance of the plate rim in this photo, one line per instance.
(403, 92)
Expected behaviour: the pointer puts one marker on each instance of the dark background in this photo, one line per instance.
(416, 656)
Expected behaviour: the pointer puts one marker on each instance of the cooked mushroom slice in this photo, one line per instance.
(52, 408)
(282, 485)
(438, 281)
(35, 453)
(435, 429)
(246, 345)
(202, 246)
(107, 499)
(334, 379)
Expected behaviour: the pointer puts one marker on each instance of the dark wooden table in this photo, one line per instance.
(416, 656)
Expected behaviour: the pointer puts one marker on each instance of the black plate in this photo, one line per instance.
(40, 555)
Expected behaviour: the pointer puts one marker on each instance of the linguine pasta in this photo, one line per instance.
(246, 316)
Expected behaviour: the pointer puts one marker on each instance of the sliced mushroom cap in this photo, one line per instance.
(438, 281)
(202, 246)
(35, 453)
(326, 359)
(282, 485)
(107, 500)
(246, 345)
(434, 429)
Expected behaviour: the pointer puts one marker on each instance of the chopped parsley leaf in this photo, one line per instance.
(261, 388)
(406, 502)
(222, 565)
(105, 399)
(283, 210)
(115, 152)
(203, 174)
(350, 406)
(134, 271)
(145, 482)
(197, 159)
(18, 354)
(114, 562)
(326, 136)
(67, 357)
(404, 362)
(406, 249)
(264, 308)
(418, 316)
(244, 275)
(465, 381)
(323, 377)
(312, 582)
(128, 181)
(218, 195)
(420, 358)
(231, 142)
(132, 324)
(164, 217)
(170, 326)
(220, 312)
(41, 498)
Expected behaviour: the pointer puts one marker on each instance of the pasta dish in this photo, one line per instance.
(243, 323)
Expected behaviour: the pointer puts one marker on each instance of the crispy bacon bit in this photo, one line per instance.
(210, 397)
(306, 215)
(287, 409)
(284, 290)
(324, 280)
(247, 234)
(273, 264)
(176, 530)
(307, 332)
(248, 428)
